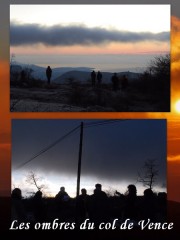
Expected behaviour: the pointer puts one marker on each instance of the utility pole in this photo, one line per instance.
(79, 161)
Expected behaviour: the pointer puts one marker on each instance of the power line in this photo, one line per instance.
(86, 125)
(98, 122)
(105, 122)
(48, 147)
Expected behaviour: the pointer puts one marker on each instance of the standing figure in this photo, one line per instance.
(131, 204)
(62, 200)
(93, 78)
(38, 207)
(23, 75)
(98, 205)
(99, 78)
(82, 206)
(18, 210)
(115, 82)
(124, 82)
(48, 73)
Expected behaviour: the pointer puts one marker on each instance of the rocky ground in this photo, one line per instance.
(79, 98)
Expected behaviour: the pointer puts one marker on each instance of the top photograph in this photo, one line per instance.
(90, 58)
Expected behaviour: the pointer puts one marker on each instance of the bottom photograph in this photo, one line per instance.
(88, 174)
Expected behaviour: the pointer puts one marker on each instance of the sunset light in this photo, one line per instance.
(34, 39)
(177, 106)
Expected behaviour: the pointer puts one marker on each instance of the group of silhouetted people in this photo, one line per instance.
(96, 78)
(97, 207)
(119, 82)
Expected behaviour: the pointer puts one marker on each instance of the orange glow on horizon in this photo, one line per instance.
(110, 48)
(175, 43)
(177, 106)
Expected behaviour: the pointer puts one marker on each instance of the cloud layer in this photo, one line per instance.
(114, 151)
(58, 35)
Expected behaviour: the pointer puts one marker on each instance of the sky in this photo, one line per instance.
(121, 30)
(113, 153)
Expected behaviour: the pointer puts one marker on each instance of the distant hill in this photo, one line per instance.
(83, 76)
(63, 74)
(40, 72)
(16, 68)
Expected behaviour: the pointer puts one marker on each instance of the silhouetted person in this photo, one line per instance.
(99, 78)
(131, 207)
(115, 82)
(38, 207)
(82, 206)
(23, 75)
(162, 206)
(62, 203)
(124, 82)
(18, 211)
(98, 205)
(48, 73)
(149, 205)
(62, 195)
(93, 78)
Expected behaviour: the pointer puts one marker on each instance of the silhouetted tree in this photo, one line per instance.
(160, 72)
(160, 66)
(148, 174)
(35, 180)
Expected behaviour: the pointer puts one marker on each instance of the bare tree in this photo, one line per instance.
(33, 179)
(160, 66)
(148, 174)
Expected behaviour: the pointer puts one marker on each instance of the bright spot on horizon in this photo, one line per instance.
(177, 106)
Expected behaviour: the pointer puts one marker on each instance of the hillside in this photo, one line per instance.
(38, 72)
(72, 90)
(63, 74)
(85, 77)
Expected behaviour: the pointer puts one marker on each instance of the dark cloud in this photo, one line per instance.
(4, 14)
(113, 152)
(28, 34)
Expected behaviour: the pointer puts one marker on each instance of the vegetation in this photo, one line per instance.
(148, 174)
(33, 179)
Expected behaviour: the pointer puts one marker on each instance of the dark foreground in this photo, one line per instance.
(173, 216)
(84, 98)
